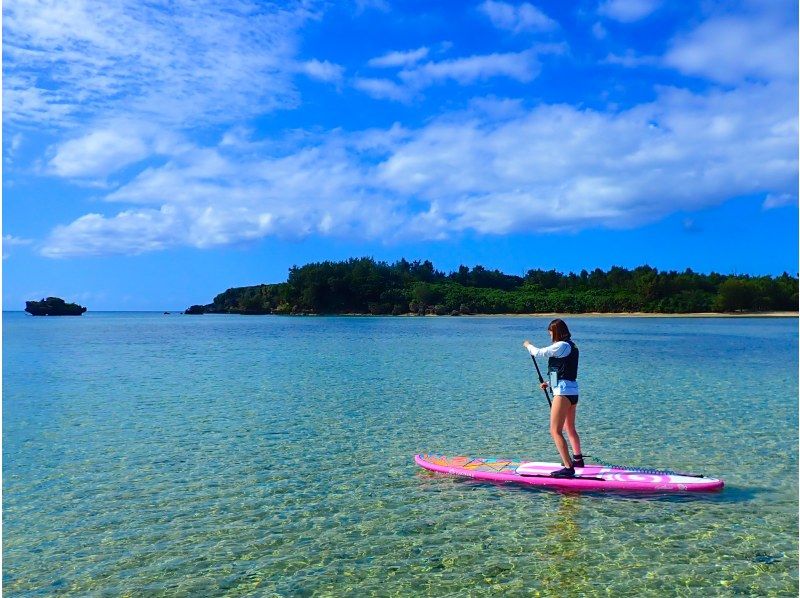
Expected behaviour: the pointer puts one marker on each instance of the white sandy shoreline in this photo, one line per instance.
(632, 314)
(637, 314)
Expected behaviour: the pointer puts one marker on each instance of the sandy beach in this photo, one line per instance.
(633, 314)
(637, 314)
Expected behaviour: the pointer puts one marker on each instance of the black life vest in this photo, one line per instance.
(566, 368)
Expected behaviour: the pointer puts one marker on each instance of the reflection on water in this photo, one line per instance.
(562, 548)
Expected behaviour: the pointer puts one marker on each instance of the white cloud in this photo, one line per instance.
(383, 89)
(563, 168)
(524, 17)
(773, 200)
(12, 241)
(322, 70)
(490, 171)
(497, 109)
(734, 48)
(130, 232)
(112, 145)
(395, 59)
(379, 5)
(98, 153)
(498, 167)
(631, 59)
(237, 136)
(170, 62)
(522, 66)
(218, 196)
(598, 31)
(628, 11)
(11, 148)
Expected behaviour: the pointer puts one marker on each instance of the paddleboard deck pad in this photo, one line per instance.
(590, 478)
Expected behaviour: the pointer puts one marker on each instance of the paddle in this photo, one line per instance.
(541, 381)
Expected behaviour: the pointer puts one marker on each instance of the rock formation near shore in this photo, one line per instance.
(53, 306)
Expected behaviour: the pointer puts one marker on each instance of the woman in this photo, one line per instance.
(562, 370)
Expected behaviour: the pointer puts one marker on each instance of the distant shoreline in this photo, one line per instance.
(764, 314)
(761, 314)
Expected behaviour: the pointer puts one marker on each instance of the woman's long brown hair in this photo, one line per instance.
(559, 329)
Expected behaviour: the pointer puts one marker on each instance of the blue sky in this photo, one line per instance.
(155, 154)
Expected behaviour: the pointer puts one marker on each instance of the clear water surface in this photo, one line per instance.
(146, 454)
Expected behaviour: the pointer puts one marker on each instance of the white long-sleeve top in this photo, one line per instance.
(557, 349)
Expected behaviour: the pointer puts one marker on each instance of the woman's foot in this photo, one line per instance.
(567, 472)
(577, 460)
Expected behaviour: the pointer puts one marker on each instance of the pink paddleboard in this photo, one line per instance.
(589, 478)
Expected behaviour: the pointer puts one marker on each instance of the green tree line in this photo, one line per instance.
(366, 286)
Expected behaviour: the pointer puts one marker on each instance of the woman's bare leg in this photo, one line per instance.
(572, 433)
(558, 417)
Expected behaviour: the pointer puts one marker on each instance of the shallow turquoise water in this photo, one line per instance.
(146, 454)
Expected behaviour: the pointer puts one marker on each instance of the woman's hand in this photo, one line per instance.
(544, 385)
(526, 343)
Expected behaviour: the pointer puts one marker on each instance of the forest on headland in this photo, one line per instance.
(366, 286)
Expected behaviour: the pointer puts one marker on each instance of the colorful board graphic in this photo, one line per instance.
(589, 478)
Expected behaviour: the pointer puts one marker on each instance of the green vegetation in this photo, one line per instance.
(53, 306)
(364, 286)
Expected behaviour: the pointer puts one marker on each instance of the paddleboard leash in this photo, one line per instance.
(644, 469)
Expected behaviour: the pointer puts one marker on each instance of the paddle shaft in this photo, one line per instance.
(541, 381)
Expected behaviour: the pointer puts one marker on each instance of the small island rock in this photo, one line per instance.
(53, 306)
